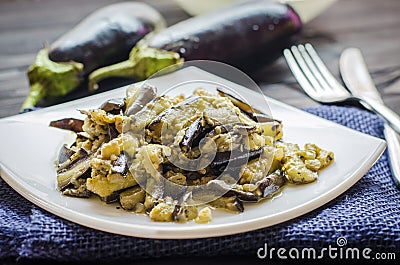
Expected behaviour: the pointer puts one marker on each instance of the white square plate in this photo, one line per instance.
(29, 147)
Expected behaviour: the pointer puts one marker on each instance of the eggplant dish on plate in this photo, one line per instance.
(179, 158)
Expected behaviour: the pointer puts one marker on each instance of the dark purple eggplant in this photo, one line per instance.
(107, 35)
(103, 38)
(230, 34)
(235, 34)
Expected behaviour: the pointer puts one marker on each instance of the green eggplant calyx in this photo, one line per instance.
(143, 62)
(51, 79)
(36, 93)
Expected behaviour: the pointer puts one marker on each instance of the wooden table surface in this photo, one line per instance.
(371, 25)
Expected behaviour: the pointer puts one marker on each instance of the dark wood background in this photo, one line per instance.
(371, 25)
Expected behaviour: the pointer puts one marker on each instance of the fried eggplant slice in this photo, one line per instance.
(270, 126)
(105, 185)
(70, 171)
(229, 203)
(80, 191)
(177, 115)
(234, 158)
(184, 210)
(138, 97)
(64, 154)
(269, 185)
(133, 199)
(237, 102)
(120, 165)
(193, 134)
(113, 197)
(227, 190)
(70, 124)
(115, 106)
(112, 131)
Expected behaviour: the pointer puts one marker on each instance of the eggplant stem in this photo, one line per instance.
(143, 62)
(36, 93)
(50, 79)
(122, 69)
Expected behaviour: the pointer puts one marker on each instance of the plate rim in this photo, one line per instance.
(198, 231)
(164, 232)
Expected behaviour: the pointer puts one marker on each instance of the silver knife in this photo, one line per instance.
(355, 75)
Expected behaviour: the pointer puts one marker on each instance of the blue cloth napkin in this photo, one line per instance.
(366, 215)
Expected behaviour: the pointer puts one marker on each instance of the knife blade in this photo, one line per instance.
(355, 75)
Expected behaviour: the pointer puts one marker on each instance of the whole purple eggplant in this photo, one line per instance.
(103, 38)
(236, 34)
(106, 36)
(232, 34)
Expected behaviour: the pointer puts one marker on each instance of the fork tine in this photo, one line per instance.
(324, 86)
(308, 72)
(298, 73)
(324, 71)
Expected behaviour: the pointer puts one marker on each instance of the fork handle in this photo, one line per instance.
(391, 117)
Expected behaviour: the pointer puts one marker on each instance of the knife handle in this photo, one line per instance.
(391, 117)
(393, 147)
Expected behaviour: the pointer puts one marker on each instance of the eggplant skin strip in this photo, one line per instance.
(70, 124)
(64, 154)
(270, 184)
(236, 157)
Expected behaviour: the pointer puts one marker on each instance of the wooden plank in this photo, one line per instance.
(371, 25)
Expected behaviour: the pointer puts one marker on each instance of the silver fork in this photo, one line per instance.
(320, 85)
